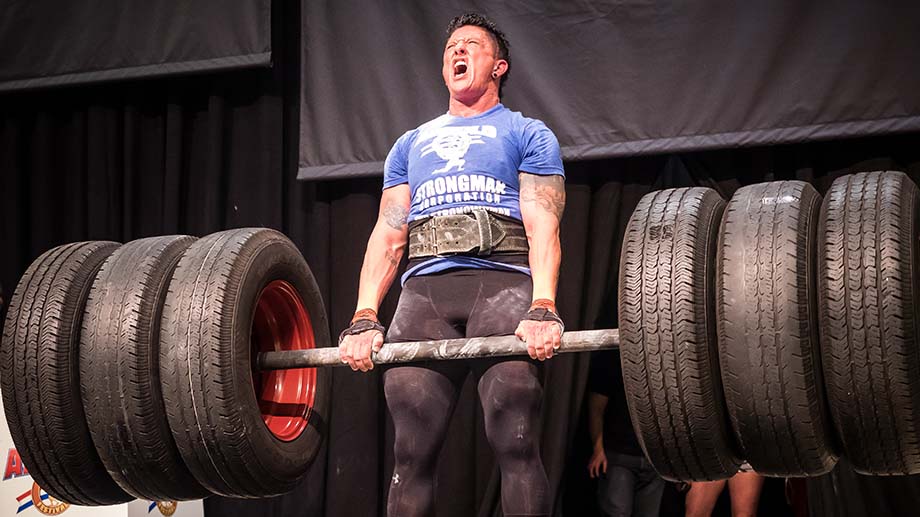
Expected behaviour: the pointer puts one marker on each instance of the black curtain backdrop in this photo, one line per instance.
(197, 155)
(615, 78)
(52, 43)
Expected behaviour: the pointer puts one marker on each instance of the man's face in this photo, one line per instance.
(469, 60)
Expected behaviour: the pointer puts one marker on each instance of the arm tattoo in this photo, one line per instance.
(391, 258)
(547, 191)
(395, 216)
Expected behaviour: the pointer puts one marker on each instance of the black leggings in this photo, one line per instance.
(421, 397)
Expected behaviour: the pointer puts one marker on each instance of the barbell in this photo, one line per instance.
(440, 350)
(211, 351)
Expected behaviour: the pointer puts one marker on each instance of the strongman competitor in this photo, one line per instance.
(476, 194)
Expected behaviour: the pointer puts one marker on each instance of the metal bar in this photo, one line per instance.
(442, 350)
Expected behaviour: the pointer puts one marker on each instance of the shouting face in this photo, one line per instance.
(471, 66)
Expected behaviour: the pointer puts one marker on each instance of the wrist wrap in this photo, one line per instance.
(362, 325)
(544, 310)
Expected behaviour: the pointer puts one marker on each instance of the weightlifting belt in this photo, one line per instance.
(478, 232)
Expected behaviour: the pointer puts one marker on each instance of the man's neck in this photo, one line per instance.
(481, 104)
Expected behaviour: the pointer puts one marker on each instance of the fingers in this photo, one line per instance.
(596, 467)
(378, 342)
(345, 353)
(363, 354)
(525, 332)
(522, 332)
(556, 336)
(539, 342)
(542, 338)
(552, 337)
(350, 344)
(355, 351)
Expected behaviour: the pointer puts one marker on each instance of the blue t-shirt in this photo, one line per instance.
(454, 164)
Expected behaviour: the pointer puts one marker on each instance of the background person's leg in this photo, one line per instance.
(615, 489)
(648, 492)
(744, 489)
(702, 497)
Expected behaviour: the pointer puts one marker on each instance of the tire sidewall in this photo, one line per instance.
(277, 260)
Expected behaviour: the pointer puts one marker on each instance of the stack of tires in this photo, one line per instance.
(127, 369)
(774, 328)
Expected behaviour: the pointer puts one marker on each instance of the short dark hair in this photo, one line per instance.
(498, 37)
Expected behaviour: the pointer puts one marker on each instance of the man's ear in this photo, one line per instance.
(501, 66)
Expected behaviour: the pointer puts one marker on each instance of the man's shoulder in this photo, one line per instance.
(519, 118)
(527, 128)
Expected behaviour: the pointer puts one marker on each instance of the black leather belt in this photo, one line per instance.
(477, 232)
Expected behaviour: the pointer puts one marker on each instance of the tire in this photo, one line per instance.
(668, 335)
(39, 375)
(119, 371)
(769, 351)
(234, 293)
(869, 316)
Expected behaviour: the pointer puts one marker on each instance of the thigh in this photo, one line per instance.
(511, 395)
(502, 300)
(509, 386)
(421, 397)
(417, 318)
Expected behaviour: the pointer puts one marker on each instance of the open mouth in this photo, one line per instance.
(459, 69)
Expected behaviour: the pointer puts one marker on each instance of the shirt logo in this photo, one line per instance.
(452, 143)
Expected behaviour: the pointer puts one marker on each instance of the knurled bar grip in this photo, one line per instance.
(440, 350)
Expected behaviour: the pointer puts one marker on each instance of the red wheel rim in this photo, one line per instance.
(285, 396)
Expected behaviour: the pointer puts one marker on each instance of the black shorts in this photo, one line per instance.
(461, 303)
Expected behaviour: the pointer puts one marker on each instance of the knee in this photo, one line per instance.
(514, 447)
(510, 397)
(411, 452)
(512, 425)
(416, 443)
(411, 463)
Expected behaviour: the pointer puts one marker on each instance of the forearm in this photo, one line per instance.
(381, 263)
(385, 248)
(545, 256)
(542, 204)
